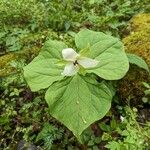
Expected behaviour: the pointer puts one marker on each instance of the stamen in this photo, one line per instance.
(75, 63)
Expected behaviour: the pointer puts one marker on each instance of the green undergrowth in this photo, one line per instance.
(104, 15)
(24, 116)
(24, 27)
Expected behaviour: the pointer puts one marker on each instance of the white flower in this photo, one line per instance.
(121, 118)
(74, 61)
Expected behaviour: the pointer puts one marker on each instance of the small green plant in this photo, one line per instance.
(10, 39)
(73, 91)
(146, 98)
(48, 134)
(136, 60)
(135, 135)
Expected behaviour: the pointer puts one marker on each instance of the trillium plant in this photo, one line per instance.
(74, 96)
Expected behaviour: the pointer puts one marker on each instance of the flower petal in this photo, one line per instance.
(70, 69)
(87, 62)
(69, 54)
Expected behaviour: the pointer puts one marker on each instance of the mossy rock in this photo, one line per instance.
(140, 22)
(138, 42)
(131, 88)
(5, 67)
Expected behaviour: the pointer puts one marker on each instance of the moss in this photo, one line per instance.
(5, 61)
(140, 22)
(5, 66)
(138, 42)
(130, 88)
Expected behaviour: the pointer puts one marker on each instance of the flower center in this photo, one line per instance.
(75, 63)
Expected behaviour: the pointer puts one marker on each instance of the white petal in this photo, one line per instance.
(69, 54)
(87, 62)
(121, 118)
(70, 69)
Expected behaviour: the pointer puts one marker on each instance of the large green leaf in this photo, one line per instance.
(87, 38)
(78, 101)
(136, 60)
(43, 70)
(53, 49)
(113, 62)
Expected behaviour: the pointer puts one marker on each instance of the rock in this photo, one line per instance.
(138, 42)
(23, 145)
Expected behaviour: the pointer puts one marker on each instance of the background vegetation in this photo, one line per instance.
(24, 120)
